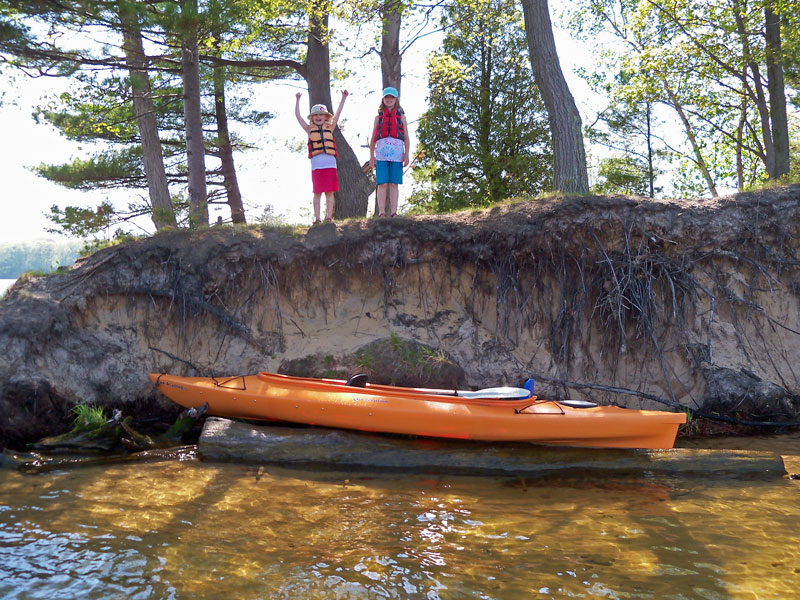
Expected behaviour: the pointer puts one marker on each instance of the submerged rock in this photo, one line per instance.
(321, 448)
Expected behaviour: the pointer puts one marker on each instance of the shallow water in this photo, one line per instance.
(189, 529)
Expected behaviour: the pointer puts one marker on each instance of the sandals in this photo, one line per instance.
(316, 222)
(328, 219)
(394, 215)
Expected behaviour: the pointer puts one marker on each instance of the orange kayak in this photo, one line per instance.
(416, 411)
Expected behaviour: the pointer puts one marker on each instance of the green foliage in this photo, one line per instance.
(698, 60)
(622, 175)
(415, 356)
(81, 222)
(485, 136)
(109, 169)
(396, 342)
(91, 246)
(39, 256)
(87, 417)
(364, 359)
(627, 128)
(791, 52)
(95, 110)
(99, 106)
(106, 220)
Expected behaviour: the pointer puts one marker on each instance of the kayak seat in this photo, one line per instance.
(358, 380)
(578, 403)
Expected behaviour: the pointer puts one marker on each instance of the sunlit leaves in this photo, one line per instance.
(699, 60)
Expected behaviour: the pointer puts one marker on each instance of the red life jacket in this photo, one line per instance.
(390, 124)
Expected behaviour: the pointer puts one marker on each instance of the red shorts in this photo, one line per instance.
(325, 180)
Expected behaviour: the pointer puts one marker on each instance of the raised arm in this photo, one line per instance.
(300, 119)
(335, 120)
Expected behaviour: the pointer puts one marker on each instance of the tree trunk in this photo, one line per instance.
(354, 187)
(756, 94)
(569, 156)
(777, 94)
(226, 149)
(391, 59)
(195, 146)
(651, 175)
(698, 155)
(152, 154)
(740, 138)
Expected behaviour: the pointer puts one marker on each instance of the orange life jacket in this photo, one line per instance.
(320, 140)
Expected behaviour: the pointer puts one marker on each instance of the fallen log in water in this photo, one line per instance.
(34, 462)
(232, 441)
(115, 435)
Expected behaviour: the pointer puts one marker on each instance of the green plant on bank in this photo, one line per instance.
(435, 357)
(508, 202)
(789, 179)
(35, 273)
(692, 426)
(285, 228)
(87, 417)
(92, 246)
(417, 356)
(364, 359)
(396, 342)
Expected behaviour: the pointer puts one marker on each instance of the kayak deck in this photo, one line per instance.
(414, 411)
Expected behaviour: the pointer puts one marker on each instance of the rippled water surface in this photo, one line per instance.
(196, 530)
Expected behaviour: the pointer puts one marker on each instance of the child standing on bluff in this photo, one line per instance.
(322, 152)
(388, 149)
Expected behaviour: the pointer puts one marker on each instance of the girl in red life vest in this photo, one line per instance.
(388, 149)
(322, 152)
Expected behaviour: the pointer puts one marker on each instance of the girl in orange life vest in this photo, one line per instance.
(322, 152)
(388, 149)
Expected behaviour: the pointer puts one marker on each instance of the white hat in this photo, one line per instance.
(319, 109)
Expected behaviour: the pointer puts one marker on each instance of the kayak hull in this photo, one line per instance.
(388, 409)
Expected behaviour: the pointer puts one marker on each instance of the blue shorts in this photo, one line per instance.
(388, 172)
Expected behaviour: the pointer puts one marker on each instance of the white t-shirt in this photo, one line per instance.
(323, 161)
(390, 149)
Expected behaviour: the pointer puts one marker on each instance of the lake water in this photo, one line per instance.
(5, 284)
(190, 529)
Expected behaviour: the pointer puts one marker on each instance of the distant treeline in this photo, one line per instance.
(40, 255)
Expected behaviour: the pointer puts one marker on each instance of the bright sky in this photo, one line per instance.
(273, 175)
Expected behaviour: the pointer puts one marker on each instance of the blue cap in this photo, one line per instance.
(390, 91)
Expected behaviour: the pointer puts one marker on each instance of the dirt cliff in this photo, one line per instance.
(649, 303)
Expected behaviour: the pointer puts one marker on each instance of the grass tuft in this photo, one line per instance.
(86, 417)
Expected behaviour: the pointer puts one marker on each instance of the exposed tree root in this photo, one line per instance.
(654, 398)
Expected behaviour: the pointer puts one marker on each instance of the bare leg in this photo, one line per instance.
(329, 206)
(382, 199)
(316, 206)
(394, 194)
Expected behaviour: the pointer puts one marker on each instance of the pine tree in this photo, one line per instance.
(485, 135)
